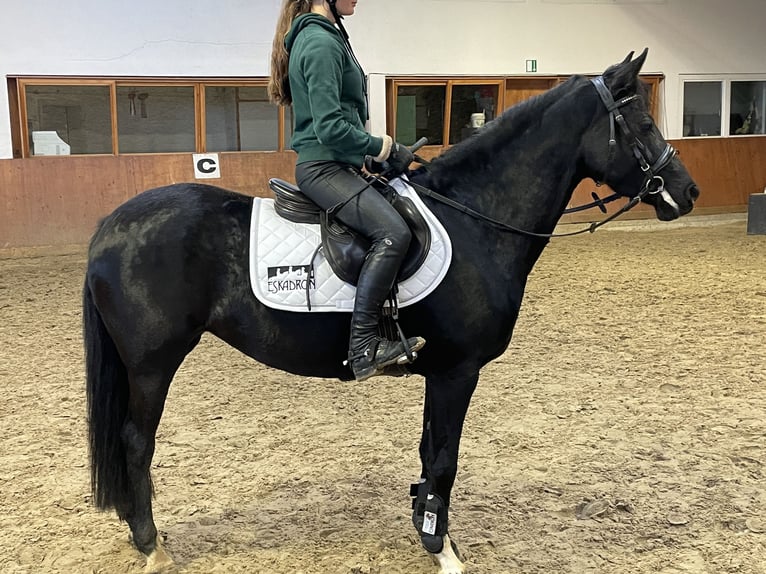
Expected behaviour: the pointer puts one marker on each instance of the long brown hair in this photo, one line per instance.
(279, 84)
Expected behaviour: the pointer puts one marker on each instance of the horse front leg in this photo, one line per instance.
(446, 404)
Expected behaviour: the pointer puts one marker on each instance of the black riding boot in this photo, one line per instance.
(368, 353)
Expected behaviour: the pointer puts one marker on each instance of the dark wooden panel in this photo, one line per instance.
(58, 200)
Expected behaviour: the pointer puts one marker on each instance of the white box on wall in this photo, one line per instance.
(49, 143)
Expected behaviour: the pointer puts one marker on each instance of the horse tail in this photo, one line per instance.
(107, 397)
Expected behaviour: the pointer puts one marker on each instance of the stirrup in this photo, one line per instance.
(381, 353)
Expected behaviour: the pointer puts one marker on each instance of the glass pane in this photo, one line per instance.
(748, 107)
(472, 106)
(240, 118)
(155, 119)
(65, 120)
(420, 113)
(289, 126)
(702, 109)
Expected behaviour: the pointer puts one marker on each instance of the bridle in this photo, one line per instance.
(653, 182)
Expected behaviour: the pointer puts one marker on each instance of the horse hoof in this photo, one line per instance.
(159, 560)
(447, 559)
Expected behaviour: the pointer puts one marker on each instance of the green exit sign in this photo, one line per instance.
(531, 65)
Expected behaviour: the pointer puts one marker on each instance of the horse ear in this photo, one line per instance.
(623, 76)
(639, 62)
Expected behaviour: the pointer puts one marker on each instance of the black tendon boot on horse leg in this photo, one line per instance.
(369, 354)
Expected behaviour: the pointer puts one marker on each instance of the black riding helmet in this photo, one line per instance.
(338, 19)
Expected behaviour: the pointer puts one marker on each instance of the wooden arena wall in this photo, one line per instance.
(727, 171)
(58, 200)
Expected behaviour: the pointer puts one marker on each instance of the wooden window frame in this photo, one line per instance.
(393, 84)
(13, 107)
(725, 80)
(23, 117)
(17, 86)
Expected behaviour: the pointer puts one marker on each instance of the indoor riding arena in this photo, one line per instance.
(621, 431)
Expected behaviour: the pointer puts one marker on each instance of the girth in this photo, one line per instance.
(344, 248)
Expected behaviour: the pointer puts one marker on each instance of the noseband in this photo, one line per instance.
(653, 183)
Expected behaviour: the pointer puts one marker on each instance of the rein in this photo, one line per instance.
(653, 183)
(506, 227)
(597, 202)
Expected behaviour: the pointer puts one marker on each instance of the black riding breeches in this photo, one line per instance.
(367, 212)
(330, 183)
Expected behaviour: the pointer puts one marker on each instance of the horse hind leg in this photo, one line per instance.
(146, 403)
(158, 560)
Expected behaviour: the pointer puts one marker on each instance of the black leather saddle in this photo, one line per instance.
(344, 248)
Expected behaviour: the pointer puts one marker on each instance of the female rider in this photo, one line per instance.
(314, 69)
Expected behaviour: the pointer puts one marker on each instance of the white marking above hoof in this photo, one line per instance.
(447, 560)
(158, 560)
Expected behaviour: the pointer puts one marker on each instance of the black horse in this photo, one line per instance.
(171, 264)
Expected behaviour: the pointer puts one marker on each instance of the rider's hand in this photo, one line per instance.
(400, 158)
(373, 166)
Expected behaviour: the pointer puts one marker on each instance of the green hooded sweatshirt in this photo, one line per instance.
(329, 101)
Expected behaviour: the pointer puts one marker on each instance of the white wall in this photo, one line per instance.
(493, 37)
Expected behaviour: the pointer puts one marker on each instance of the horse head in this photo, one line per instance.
(627, 150)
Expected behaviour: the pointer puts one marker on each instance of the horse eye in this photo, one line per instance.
(646, 125)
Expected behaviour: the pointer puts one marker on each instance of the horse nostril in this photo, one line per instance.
(694, 193)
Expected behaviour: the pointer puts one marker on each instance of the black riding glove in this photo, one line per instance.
(373, 166)
(399, 159)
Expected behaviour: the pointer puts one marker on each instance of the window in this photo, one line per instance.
(72, 116)
(449, 110)
(444, 111)
(289, 126)
(723, 106)
(747, 108)
(155, 119)
(63, 120)
(240, 118)
(470, 103)
(702, 109)
(420, 113)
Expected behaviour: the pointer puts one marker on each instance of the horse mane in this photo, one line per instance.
(470, 155)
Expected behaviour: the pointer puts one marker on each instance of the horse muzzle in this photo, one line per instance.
(669, 207)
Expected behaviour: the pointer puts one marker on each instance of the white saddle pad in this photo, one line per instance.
(280, 260)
